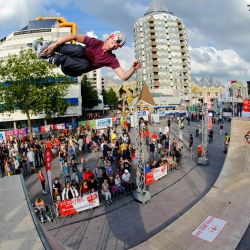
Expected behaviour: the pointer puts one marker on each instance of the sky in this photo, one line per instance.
(217, 30)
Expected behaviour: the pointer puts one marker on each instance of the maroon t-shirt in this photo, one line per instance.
(95, 54)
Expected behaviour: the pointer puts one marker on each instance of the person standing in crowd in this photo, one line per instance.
(239, 103)
(191, 140)
(197, 130)
(210, 136)
(16, 165)
(66, 172)
(221, 129)
(151, 151)
(42, 180)
(24, 160)
(31, 157)
(226, 143)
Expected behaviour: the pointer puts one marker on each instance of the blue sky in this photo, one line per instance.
(217, 30)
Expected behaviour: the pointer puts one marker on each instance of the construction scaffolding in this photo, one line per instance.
(204, 160)
(141, 194)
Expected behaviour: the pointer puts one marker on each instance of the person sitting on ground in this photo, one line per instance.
(93, 184)
(75, 185)
(41, 210)
(118, 183)
(84, 188)
(109, 170)
(153, 164)
(76, 59)
(126, 178)
(88, 173)
(69, 192)
(106, 192)
(147, 168)
(57, 186)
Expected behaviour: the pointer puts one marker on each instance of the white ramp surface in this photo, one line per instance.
(17, 229)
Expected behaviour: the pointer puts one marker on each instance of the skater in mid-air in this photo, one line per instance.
(77, 59)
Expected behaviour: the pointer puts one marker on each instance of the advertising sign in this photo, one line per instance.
(103, 123)
(155, 174)
(76, 205)
(209, 103)
(59, 126)
(87, 124)
(142, 113)
(46, 128)
(209, 229)
(2, 136)
(34, 129)
(72, 124)
(246, 105)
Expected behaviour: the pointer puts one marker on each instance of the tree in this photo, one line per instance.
(112, 99)
(105, 96)
(89, 95)
(32, 86)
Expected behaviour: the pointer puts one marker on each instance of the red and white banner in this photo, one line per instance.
(58, 126)
(209, 103)
(209, 229)
(155, 174)
(48, 157)
(76, 205)
(46, 128)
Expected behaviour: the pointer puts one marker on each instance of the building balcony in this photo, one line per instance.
(155, 69)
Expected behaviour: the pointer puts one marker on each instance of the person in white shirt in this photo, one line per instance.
(166, 130)
(239, 103)
(31, 157)
(128, 183)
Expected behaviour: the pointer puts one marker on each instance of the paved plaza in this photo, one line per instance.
(127, 223)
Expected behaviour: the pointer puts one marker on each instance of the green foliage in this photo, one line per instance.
(89, 95)
(31, 85)
(112, 99)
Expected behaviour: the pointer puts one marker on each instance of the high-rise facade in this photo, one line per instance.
(162, 47)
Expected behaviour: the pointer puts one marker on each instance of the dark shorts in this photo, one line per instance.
(190, 145)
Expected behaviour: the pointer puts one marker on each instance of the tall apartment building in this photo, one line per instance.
(161, 45)
(50, 29)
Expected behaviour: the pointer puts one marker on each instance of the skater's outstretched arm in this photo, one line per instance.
(126, 75)
(49, 51)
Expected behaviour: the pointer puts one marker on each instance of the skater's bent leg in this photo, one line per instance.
(71, 50)
(72, 66)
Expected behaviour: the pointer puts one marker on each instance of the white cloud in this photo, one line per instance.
(105, 36)
(222, 64)
(17, 13)
(91, 34)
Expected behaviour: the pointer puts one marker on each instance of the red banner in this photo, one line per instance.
(79, 204)
(155, 174)
(246, 106)
(209, 103)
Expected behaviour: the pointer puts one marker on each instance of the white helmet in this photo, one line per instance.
(118, 37)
